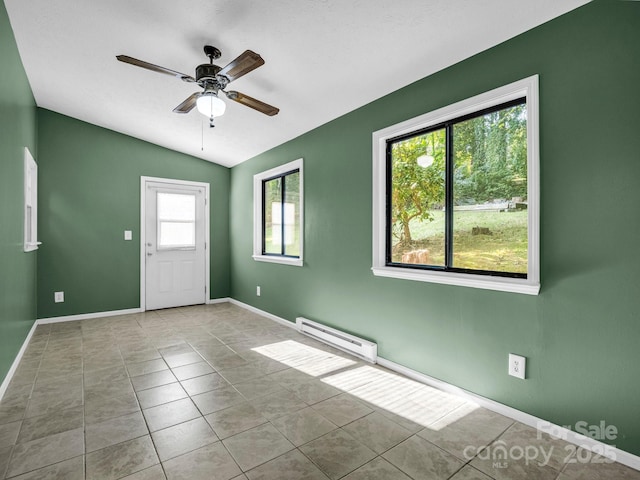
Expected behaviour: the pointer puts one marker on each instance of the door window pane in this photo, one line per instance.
(176, 220)
(177, 206)
(177, 234)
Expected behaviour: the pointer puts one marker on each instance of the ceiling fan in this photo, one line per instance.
(213, 79)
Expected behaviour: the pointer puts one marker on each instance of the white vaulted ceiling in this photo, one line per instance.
(323, 58)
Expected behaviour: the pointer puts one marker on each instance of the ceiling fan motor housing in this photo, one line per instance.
(206, 71)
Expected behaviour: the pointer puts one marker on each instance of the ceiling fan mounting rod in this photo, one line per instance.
(212, 52)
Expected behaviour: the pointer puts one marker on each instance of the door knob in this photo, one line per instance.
(149, 254)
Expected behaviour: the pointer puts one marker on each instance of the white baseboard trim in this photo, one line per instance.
(447, 387)
(270, 316)
(570, 436)
(88, 316)
(212, 301)
(16, 361)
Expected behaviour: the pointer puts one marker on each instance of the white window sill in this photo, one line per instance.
(296, 262)
(30, 247)
(503, 284)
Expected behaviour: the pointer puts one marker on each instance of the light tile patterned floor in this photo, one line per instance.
(217, 392)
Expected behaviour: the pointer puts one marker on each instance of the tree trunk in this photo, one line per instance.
(406, 233)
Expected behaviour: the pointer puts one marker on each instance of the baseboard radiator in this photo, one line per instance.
(349, 343)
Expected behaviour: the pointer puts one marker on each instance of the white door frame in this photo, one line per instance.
(143, 233)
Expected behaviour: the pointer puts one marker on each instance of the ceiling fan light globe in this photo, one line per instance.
(210, 105)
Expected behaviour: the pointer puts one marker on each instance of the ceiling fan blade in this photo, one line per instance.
(242, 65)
(155, 68)
(188, 104)
(252, 103)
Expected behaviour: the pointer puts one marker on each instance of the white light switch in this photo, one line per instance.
(128, 235)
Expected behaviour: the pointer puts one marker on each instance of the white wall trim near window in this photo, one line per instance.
(258, 209)
(30, 202)
(527, 88)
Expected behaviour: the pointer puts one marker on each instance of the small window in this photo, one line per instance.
(457, 196)
(30, 202)
(176, 221)
(278, 210)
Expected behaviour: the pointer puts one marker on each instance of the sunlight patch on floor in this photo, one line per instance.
(396, 394)
(307, 359)
(454, 416)
(393, 393)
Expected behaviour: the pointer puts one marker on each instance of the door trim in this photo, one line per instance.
(143, 233)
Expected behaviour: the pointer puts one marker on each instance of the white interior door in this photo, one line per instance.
(174, 245)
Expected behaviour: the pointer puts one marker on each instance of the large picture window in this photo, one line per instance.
(278, 213)
(456, 194)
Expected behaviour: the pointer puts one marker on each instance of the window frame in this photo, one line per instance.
(258, 214)
(448, 127)
(31, 242)
(526, 88)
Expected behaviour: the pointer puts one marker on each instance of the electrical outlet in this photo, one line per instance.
(517, 365)
(258, 290)
(58, 297)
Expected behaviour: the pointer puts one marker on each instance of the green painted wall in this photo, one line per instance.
(17, 130)
(581, 333)
(89, 194)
